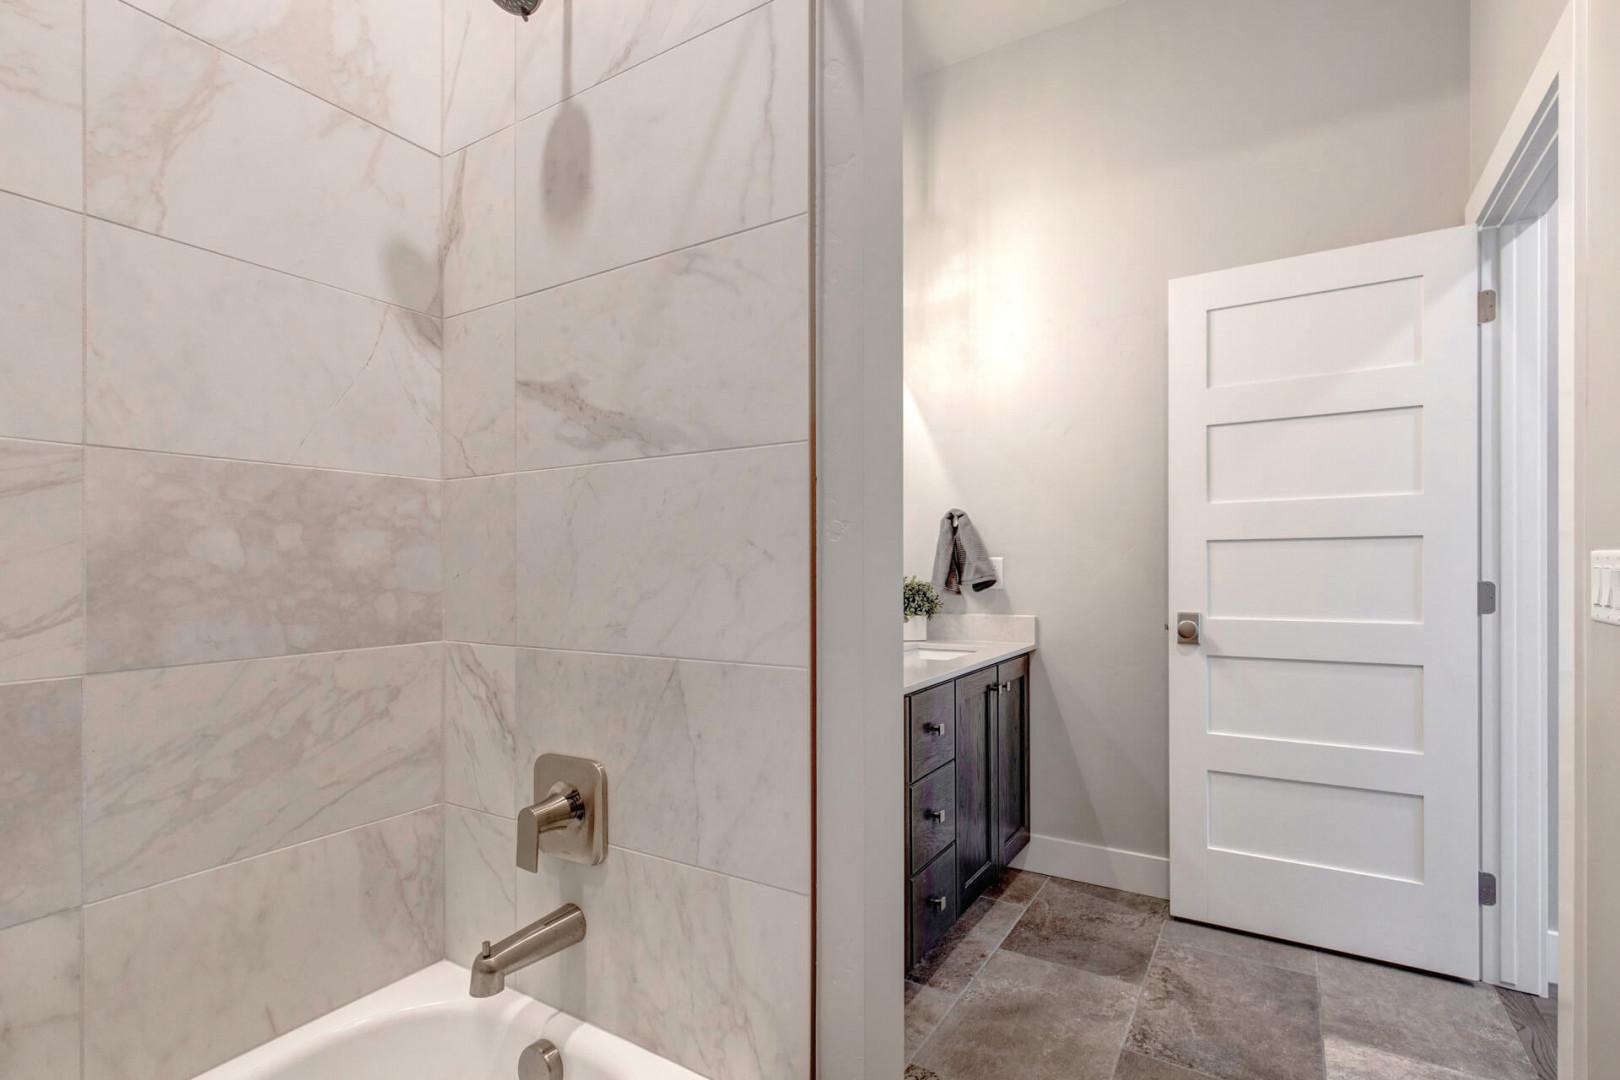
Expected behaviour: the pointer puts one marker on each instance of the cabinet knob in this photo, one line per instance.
(1004, 688)
(933, 729)
(934, 815)
(937, 902)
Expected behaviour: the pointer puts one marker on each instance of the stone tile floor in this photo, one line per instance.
(1047, 979)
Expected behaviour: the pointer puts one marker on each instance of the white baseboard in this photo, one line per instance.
(1094, 864)
(1552, 956)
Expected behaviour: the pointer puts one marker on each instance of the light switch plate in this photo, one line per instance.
(1001, 573)
(1606, 587)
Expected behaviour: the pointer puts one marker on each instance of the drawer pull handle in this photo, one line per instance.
(937, 902)
(934, 815)
(933, 729)
(1004, 688)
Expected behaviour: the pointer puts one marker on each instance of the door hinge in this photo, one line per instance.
(1487, 598)
(1487, 306)
(1487, 889)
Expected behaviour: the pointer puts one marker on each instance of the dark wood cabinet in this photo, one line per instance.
(977, 846)
(968, 797)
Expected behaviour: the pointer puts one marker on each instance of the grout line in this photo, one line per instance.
(632, 460)
(100, 672)
(258, 461)
(84, 488)
(306, 91)
(628, 655)
(1141, 988)
(693, 246)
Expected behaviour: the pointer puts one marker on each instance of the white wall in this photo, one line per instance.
(1053, 188)
(1506, 38)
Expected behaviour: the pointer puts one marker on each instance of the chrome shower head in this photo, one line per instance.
(524, 8)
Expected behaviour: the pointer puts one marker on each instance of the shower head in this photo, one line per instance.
(524, 8)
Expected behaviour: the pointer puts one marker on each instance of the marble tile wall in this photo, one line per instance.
(221, 660)
(627, 494)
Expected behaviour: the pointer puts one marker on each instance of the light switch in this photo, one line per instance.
(1606, 587)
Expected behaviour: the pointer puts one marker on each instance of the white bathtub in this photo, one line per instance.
(426, 1027)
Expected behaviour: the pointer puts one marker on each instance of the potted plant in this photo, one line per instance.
(918, 601)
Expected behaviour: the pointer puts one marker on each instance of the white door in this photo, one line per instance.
(1324, 508)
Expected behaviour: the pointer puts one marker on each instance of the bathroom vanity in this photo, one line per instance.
(967, 772)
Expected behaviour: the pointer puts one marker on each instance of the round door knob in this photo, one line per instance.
(1187, 631)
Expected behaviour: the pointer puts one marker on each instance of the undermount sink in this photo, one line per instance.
(923, 652)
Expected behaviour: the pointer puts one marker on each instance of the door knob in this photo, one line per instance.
(1189, 627)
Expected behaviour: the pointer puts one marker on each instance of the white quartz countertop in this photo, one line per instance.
(929, 663)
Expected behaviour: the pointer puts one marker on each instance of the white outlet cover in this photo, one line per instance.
(1001, 573)
(1606, 587)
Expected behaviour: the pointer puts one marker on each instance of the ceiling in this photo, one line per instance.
(942, 32)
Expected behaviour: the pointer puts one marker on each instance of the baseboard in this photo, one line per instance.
(1552, 956)
(1094, 864)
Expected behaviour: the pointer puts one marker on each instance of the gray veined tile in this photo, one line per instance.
(478, 398)
(703, 349)
(1228, 943)
(1134, 1066)
(708, 763)
(1425, 1018)
(480, 880)
(39, 999)
(41, 316)
(565, 49)
(196, 353)
(302, 930)
(479, 70)
(926, 1006)
(480, 729)
(1032, 1019)
(375, 58)
(41, 560)
(480, 601)
(1350, 1061)
(195, 559)
(192, 767)
(704, 556)
(39, 800)
(970, 941)
(41, 100)
(181, 137)
(611, 175)
(1229, 1018)
(1101, 930)
(708, 970)
(477, 223)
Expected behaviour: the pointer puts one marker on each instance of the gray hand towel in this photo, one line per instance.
(960, 557)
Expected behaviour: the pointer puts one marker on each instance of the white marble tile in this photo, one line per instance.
(479, 70)
(187, 142)
(184, 975)
(478, 229)
(41, 97)
(708, 763)
(704, 140)
(375, 58)
(197, 353)
(703, 556)
(39, 999)
(195, 559)
(480, 702)
(193, 767)
(41, 319)
(41, 560)
(480, 586)
(478, 377)
(708, 970)
(567, 48)
(39, 800)
(702, 349)
(480, 876)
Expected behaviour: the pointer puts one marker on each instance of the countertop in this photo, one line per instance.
(920, 672)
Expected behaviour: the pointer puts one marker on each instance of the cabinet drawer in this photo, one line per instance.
(931, 807)
(931, 723)
(932, 904)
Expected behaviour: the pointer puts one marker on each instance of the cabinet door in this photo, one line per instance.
(1012, 758)
(976, 831)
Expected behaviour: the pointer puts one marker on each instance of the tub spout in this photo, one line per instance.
(546, 936)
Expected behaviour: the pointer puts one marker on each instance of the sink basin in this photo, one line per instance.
(925, 653)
